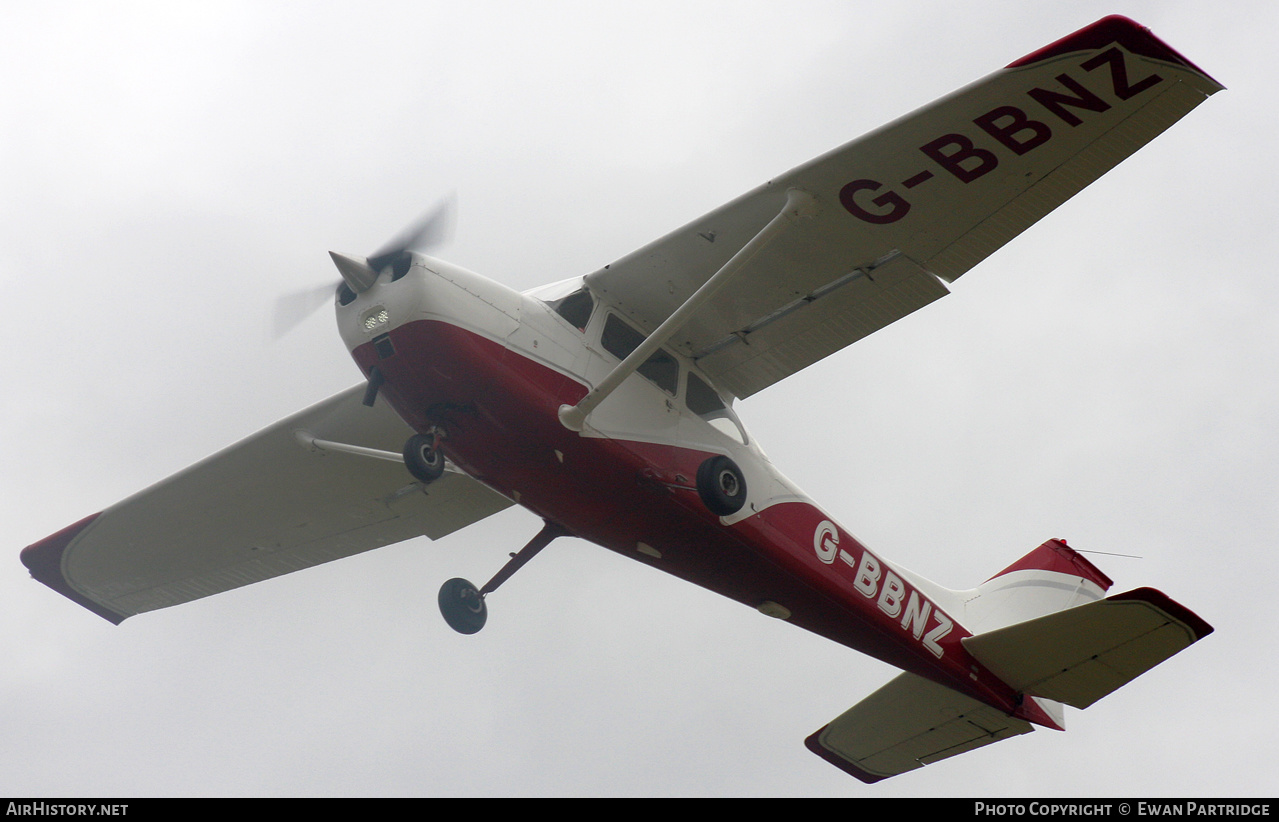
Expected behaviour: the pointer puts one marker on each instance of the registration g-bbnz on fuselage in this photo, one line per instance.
(604, 404)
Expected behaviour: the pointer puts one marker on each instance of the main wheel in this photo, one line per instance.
(462, 606)
(424, 461)
(721, 486)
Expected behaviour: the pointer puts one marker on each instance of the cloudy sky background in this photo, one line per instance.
(169, 168)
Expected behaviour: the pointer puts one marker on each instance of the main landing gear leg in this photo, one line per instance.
(463, 606)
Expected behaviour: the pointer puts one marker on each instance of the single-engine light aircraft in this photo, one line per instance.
(604, 405)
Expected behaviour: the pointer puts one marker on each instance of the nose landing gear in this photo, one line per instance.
(462, 605)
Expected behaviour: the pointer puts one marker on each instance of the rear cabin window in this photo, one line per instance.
(619, 339)
(702, 400)
(576, 308)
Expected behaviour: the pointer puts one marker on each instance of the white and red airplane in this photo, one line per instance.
(604, 404)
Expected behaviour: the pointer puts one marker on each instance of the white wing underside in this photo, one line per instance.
(833, 279)
(267, 506)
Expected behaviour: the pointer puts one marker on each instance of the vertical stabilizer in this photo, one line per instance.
(1051, 578)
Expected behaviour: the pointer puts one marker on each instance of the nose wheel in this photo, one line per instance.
(462, 605)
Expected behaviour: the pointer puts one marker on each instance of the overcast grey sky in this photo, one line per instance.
(169, 168)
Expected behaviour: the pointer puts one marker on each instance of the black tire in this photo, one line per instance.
(721, 486)
(462, 606)
(424, 461)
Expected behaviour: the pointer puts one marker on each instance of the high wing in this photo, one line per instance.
(907, 208)
(306, 490)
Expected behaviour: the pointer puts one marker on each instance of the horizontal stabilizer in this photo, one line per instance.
(1079, 655)
(909, 723)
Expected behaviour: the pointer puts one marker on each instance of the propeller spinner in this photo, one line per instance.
(359, 273)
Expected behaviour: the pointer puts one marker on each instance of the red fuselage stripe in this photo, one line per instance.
(498, 409)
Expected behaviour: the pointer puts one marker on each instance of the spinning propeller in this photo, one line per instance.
(359, 273)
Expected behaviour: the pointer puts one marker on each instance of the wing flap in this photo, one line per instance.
(819, 324)
(907, 724)
(266, 506)
(1080, 655)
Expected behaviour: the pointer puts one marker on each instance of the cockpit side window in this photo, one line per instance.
(619, 339)
(576, 308)
(702, 400)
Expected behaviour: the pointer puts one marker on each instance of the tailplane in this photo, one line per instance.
(1044, 626)
(1079, 655)
(907, 724)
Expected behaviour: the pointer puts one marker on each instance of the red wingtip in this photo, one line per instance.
(1113, 29)
(44, 560)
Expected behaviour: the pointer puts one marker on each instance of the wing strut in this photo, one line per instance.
(799, 205)
(309, 440)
